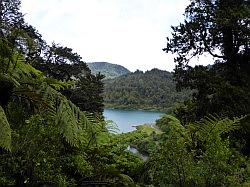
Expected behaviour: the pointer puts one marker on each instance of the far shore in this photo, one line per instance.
(140, 109)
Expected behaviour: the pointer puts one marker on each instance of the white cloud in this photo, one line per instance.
(127, 32)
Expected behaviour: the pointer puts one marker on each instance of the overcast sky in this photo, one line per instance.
(131, 33)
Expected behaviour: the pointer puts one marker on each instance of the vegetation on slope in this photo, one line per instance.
(109, 70)
(197, 154)
(152, 90)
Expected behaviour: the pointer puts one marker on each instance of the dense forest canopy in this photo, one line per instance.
(152, 90)
(109, 70)
(220, 28)
(48, 137)
(52, 130)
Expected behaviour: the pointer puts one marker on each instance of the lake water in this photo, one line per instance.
(126, 119)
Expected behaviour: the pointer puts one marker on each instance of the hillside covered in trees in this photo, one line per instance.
(109, 70)
(52, 131)
(152, 90)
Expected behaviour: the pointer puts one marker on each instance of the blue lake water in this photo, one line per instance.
(126, 119)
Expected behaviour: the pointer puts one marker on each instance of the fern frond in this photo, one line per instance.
(212, 126)
(21, 34)
(77, 127)
(175, 125)
(5, 131)
(68, 117)
(5, 55)
(126, 180)
(20, 69)
(93, 127)
(58, 84)
(111, 126)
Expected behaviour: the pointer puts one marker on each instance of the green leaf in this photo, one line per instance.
(5, 131)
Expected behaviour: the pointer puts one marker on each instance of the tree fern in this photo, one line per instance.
(68, 117)
(212, 127)
(77, 127)
(197, 154)
(5, 131)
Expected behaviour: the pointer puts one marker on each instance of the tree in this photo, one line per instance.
(45, 139)
(221, 29)
(9, 13)
(154, 89)
(61, 63)
(196, 154)
(87, 93)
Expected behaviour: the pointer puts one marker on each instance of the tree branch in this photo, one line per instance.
(208, 49)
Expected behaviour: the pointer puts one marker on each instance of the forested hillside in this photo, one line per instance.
(107, 69)
(153, 90)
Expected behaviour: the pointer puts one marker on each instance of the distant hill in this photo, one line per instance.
(154, 90)
(109, 70)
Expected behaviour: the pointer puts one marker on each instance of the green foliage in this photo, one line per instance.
(87, 93)
(5, 133)
(68, 117)
(63, 64)
(198, 154)
(48, 137)
(219, 28)
(36, 152)
(153, 90)
(109, 70)
(113, 164)
(148, 129)
(210, 26)
(41, 141)
(45, 138)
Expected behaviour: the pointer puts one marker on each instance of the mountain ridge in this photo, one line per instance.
(109, 70)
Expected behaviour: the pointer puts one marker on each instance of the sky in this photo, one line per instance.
(131, 33)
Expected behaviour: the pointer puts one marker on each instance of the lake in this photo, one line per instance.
(126, 119)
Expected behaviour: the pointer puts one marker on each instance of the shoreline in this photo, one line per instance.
(133, 109)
